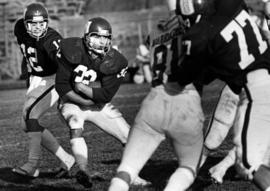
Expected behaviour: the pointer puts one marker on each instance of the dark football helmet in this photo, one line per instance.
(36, 20)
(98, 35)
(267, 10)
(192, 10)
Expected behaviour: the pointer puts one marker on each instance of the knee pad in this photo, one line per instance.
(262, 178)
(32, 125)
(76, 133)
(124, 176)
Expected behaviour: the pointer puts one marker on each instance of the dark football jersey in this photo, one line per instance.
(76, 65)
(40, 55)
(227, 47)
(165, 50)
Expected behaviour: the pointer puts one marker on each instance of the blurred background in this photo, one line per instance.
(131, 21)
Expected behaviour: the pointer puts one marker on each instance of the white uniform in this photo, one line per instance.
(107, 118)
(40, 96)
(222, 119)
(168, 111)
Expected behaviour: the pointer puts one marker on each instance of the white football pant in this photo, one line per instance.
(172, 113)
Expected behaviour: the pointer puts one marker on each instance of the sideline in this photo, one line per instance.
(12, 84)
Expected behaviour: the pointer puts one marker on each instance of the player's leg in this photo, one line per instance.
(142, 142)
(218, 171)
(74, 118)
(41, 96)
(252, 146)
(49, 141)
(111, 121)
(31, 113)
(252, 130)
(185, 131)
(221, 121)
(138, 150)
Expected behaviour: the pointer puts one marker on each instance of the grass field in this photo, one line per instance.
(104, 151)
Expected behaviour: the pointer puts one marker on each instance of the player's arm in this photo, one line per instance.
(18, 30)
(63, 85)
(104, 94)
(189, 70)
(113, 70)
(193, 62)
(73, 97)
(52, 44)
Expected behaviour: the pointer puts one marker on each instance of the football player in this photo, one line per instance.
(220, 123)
(224, 40)
(38, 44)
(267, 11)
(223, 118)
(143, 61)
(82, 61)
(169, 110)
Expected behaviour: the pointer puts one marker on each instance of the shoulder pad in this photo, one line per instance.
(19, 28)
(71, 49)
(113, 62)
(53, 34)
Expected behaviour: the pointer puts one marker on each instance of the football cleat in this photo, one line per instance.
(65, 171)
(218, 171)
(62, 173)
(138, 181)
(23, 173)
(84, 179)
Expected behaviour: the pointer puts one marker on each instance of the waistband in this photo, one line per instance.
(175, 89)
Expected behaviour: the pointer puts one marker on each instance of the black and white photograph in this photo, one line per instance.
(134, 95)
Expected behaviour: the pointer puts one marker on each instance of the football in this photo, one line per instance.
(95, 84)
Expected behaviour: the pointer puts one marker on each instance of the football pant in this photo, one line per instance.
(251, 128)
(107, 118)
(222, 119)
(40, 96)
(178, 117)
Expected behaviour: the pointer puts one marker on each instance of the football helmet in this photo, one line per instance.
(36, 20)
(267, 9)
(98, 36)
(192, 10)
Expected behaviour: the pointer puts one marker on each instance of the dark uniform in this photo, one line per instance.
(76, 64)
(40, 54)
(229, 49)
(230, 46)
